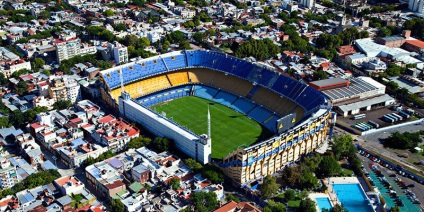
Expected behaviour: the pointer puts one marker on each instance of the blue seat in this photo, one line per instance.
(204, 92)
(242, 105)
(225, 98)
(260, 114)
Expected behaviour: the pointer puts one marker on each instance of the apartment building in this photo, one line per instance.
(65, 89)
(8, 174)
(68, 46)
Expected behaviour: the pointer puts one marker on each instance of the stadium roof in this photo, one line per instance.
(330, 81)
(357, 86)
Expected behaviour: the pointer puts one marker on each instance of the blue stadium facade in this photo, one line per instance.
(259, 92)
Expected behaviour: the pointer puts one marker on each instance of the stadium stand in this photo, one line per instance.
(242, 105)
(235, 75)
(260, 114)
(225, 98)
(165, 95)
(204, 92)
(274, 102)
(230, 83)
(143, 87)
(178, 78)
(201, 75)
(175, 62)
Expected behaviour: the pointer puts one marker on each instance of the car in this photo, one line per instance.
(411, 185)
(392, 175)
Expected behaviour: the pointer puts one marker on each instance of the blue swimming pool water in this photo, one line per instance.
(323, 202)
(352, 197)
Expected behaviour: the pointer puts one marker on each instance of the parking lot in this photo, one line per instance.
(393, 186)
(374, 115)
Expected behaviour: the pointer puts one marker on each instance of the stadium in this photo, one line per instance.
(246, 118)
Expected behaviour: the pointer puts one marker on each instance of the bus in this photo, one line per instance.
(393, 117)
(374, 124)
(405, 115)
(359, 116)
(388, 119)
(399, 117)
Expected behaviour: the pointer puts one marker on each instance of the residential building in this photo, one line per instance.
(10, 62)
(65, 88)
(41, 101)
(69, 185)
(8, 174)
(68, 46)
(234, 207)
(416, 6)
(114, 133)
(78, 151)
(307, 3)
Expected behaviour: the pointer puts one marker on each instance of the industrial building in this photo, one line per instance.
(352, 96)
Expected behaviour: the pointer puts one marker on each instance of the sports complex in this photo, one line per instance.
(243, 117)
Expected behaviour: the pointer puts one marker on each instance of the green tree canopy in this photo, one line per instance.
(329, 166)
(275, 207)
(320, 75)
(229, 197)
(307, 205)
(174, 183)
(342, 146)
(404, 140)
(204, 201)
(259, 49)
(269, 187)
(117, 206)
(193, 165)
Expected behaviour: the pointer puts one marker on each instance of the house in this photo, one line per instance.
(69, 185)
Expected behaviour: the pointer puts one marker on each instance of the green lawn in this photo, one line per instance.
(230, 130)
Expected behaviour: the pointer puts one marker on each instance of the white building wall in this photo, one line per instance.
(184, 141)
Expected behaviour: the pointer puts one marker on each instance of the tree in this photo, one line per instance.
(404, 140)
(21, 88)
(120, 27)
(174, 183)
(308, 180)
(45, 14)
(138, 142)
(312, 162)
(60, 105)
(289, 194)
(320, 75)
(17, 118)
(204, 201)
(269, 187)
(343, 146)
(184, 45)
(193, 165)
(329, 166)
(259, 49)
(338, 208)
(3, 79)
(38, 63)
(4, 122)
(117, 206)
(384, 32)
(213, 173)
(108, 13)
(395, 70)
(275, 207)
(291, 176)
(230, 197)
(307, 205)
(162, 144)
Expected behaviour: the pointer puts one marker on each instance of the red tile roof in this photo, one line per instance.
(417, 43)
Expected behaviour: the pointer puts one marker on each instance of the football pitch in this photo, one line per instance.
(230, 129)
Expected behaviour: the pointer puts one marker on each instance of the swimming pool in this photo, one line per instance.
(352, 197)
(323, 202)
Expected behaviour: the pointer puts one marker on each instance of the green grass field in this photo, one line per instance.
(230, 129)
